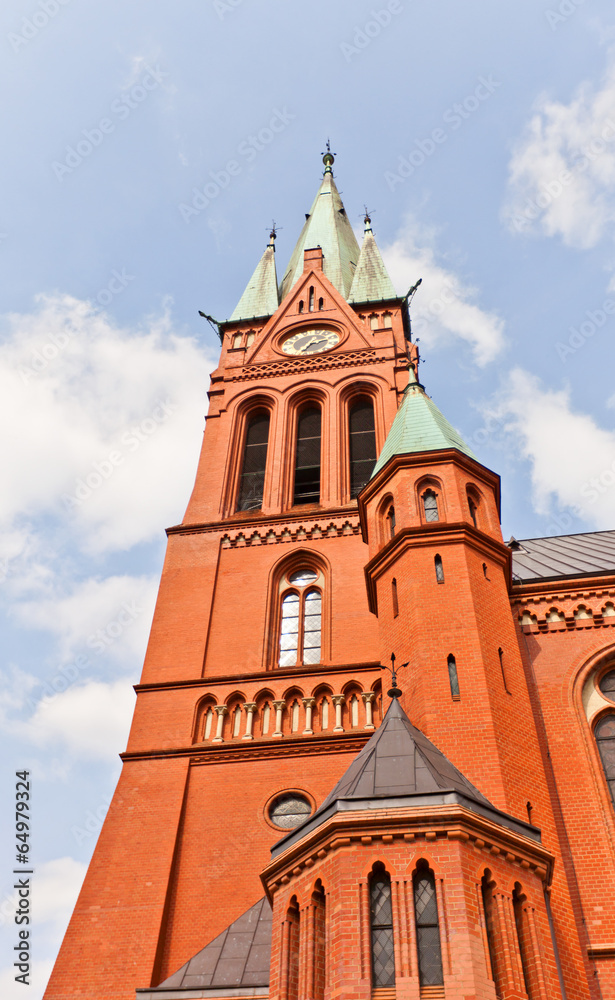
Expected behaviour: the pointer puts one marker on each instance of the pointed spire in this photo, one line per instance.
(371, 280)
(419, 426)
(261, 295)
(327, 226)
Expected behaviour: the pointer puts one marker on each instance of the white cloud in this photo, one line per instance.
(107, 422)
(444, 307)
(91, 720)
(562, 171)
(572, 458)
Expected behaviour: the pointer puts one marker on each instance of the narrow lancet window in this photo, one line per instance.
(430, 506)
(252, 480)
(391, 522)
(452, 676)
(381, 923)
(311, 300)
(427, 929)
(307, 462)
(312, 633)
(439, 569)
(362, 445)
(394, 598)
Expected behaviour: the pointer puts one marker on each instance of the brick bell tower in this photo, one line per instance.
(262, 677)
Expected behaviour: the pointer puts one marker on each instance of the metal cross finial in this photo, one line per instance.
(395, 692)
(328, 158)
(273, 232)
(367, 218)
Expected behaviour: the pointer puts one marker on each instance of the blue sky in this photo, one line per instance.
(482, 138)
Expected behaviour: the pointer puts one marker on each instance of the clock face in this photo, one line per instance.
(311, 342)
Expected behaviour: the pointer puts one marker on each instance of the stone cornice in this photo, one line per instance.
(409, 824)
(227, 753)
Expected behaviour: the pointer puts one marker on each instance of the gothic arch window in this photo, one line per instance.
(311, 305)
(301, 620)
(430, 506)
(381, 928)
(394, 598)
(252, 480)
(495, 972)
(321, 304)
(427, 928)
(307, 457)
(523, 939)
(300, 305)
(362, 443)
(605, 739)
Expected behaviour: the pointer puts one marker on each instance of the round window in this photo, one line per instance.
(302, 577)
(289, 810)
(607, 685)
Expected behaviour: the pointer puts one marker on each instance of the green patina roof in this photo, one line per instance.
(371, 280)
(327, 226)
(419, 426)
(261, 295)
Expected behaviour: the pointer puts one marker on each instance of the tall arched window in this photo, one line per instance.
(390, 520)
(430, 506)
(362, 434)
(301, 622)
(252, 480)
(605, 738)
(381, 925)
(427, 929)
(307, 460)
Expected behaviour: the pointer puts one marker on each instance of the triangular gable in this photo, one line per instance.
(336, 311)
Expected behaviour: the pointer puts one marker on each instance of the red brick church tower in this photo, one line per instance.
(284, 828)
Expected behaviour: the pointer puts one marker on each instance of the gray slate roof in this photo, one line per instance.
(239, 957)
(563, 555)
(396, 768)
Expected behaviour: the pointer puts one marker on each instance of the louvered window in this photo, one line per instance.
(605, 738)
(254, 462)
(427, 930)
(362, 445)
(381, 920)
(307, 461)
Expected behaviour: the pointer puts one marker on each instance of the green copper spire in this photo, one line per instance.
(371, 281)
(327, 226)
(419, 426)
(261, 295)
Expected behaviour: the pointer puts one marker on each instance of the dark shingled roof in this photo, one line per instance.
(239, 957)
(592, 552)
(398, 767)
